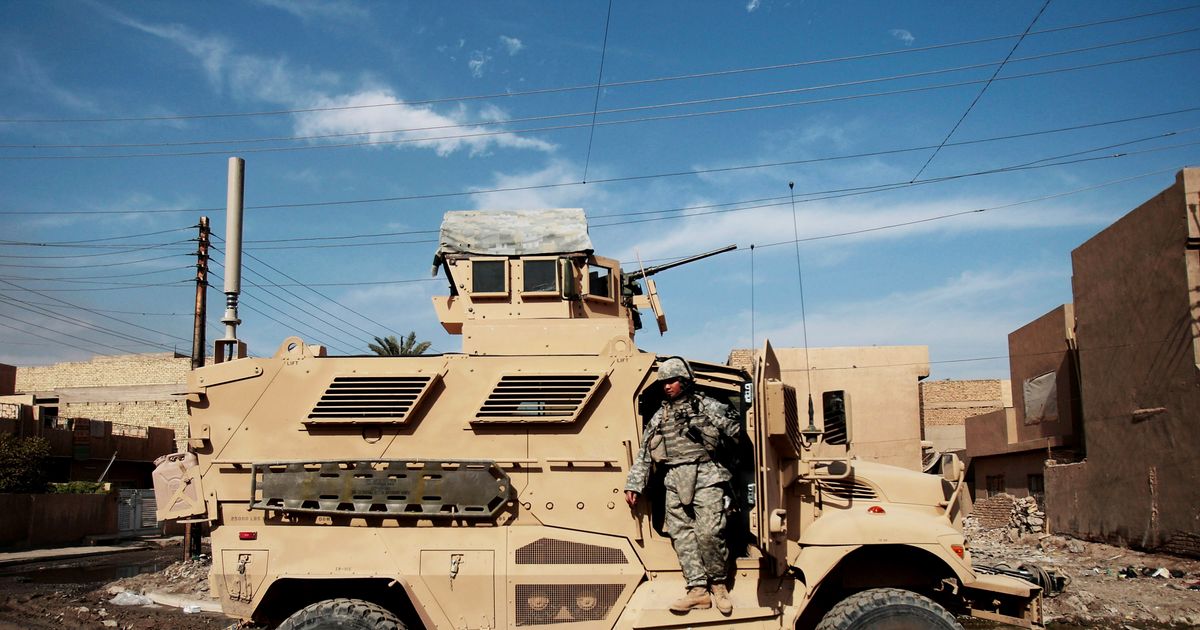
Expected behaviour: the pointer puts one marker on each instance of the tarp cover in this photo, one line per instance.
(514, 232)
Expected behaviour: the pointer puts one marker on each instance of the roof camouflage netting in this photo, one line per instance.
(513, 233)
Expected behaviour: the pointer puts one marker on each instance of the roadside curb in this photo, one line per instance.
(14, 558)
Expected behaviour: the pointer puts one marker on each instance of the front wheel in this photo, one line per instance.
(888, 609)
(343, 614)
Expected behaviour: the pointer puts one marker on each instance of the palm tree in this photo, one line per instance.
(389, 347)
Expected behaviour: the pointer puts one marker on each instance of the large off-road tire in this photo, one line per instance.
(342, 613)
(888, 609)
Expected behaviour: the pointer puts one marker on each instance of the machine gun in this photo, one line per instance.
(630, 289)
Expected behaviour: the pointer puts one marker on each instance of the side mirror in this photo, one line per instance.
(952, 467)
(566, 280)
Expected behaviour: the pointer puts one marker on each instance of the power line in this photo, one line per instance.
(319, 334)
(80, 278)
(643, 119)
(95, 240)
(78, 322)
(38, 292)
(691, 172)
(91, 265)
(552, 90)
(982, 90)
(125, 251)
(596, 102)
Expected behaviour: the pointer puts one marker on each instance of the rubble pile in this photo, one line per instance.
(186, 577)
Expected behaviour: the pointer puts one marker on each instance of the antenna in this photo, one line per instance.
(233, 261)
(810, 434)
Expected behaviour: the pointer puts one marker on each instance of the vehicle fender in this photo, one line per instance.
(897, 525)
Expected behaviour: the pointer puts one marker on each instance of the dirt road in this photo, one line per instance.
(1110, 587)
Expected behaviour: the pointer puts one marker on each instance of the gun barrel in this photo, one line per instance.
(650, 271)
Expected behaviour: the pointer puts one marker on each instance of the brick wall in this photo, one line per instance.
(947, 403)
(995, 511)
(130, 369)
(115, 371)
(743, 359)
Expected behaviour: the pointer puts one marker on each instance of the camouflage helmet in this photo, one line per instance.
(674, 367)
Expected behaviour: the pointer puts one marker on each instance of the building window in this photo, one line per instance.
(1041, 398)
(995, 485)
(489, 277)
(540, 276)
(833, 410)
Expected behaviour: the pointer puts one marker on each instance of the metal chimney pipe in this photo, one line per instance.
(233, 246)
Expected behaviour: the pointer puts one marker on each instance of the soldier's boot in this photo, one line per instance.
(696, 597)
(721, 599)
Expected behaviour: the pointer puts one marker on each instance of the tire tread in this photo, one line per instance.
(846, 614)
(371, 614)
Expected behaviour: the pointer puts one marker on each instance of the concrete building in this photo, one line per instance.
(865, 398)
(1137, 293)
(1007, 448)
(1106, 390)
(946, 405)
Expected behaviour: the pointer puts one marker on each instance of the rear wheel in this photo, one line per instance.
(888, 609)
(344, 614)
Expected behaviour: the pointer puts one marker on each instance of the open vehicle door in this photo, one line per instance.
(774, 411)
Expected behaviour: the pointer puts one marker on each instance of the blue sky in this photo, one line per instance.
(369, 120)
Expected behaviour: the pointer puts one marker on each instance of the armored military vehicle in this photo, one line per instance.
(483, 489)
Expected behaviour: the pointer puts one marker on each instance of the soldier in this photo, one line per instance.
(682, 438)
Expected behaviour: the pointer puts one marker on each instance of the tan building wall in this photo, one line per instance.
(1044, 349)
(1136, 286)
(137, 389)
(946, 405)
(881, 385)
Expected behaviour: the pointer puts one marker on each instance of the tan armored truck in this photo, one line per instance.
(484, 489)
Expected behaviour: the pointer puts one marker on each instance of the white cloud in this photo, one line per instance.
(538, 189)
(415, 126)
(752, 5)
(844, 222)
(903, 35)
(315, 10)
(477, 62)
(276, 81)
(511, 44)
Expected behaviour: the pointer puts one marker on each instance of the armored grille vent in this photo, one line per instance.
(370, 398)
(542, 604)
(782, 418)
(552, 551)
(556, 398)
(848, 489)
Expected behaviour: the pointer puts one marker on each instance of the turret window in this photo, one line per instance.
(540, 275)
(489, 277)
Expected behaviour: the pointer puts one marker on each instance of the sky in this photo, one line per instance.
(944, 160)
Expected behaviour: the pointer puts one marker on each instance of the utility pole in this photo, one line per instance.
(191, 538)
(198, 341)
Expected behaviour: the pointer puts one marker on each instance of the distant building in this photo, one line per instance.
(865, 398)
(140, 390)
(1008, 448)
(946, 405)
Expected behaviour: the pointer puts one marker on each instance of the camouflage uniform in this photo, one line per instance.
(695, 502)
